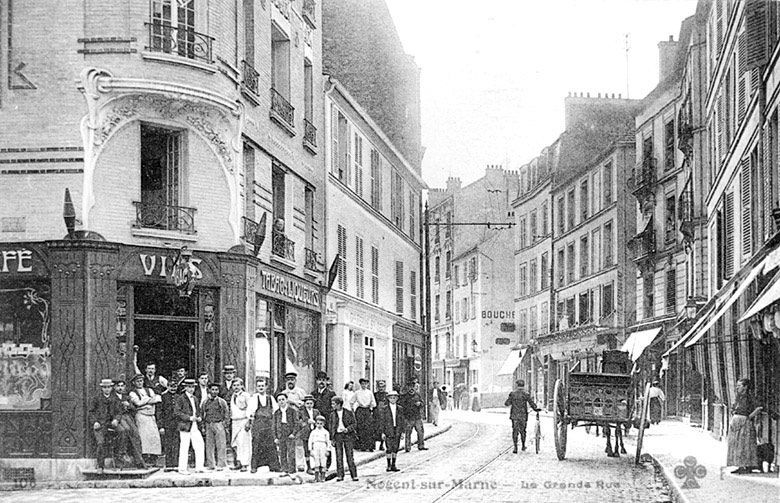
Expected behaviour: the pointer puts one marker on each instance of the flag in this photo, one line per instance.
(333, 271)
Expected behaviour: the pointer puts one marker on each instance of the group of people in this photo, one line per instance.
(170, 418)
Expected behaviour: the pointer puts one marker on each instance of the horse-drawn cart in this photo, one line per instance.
(597, 399)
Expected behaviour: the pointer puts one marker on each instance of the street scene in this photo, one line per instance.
(360, 250)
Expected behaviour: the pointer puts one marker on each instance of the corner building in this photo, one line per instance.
(177, 128)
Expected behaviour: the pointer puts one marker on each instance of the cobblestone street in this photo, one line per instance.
(473, 461)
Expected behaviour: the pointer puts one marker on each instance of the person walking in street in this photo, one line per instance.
(286, 426)
(343, 430)
(145, 402)
(391, 424)
(308, 415)
(519, 400)
(474, 400)
(363, 405)
(319, 447)
(241, 425)
(170, 432)
(189, 416)
(435, 403)
(215, 415)
(100, 417)
(123, 422)
(412, 405)
(263, 445)
(742, 451)
(657, 398)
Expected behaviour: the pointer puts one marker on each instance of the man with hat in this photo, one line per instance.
(380, 397)
(188, 414)
(228, 374)
(127, 437)
(294, 393)
(363, 403)
(167, 419)
(241, 425)
(519, 400)
(391, 426)
(308, 415)
(322, 400)
(413, 405)
(286, 426)
(100, 417)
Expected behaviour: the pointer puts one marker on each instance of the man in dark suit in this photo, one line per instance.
(100, 417)
(167, 419)
(343, 433)
(322, 397)
(391, 426)
(286, 425)
(412, 404)
(308, 415)
(188, 416)
(123, 422)
(519, 400)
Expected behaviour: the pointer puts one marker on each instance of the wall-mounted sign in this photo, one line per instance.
(163, 266)
(502, 341)
(507, 327)
(288, 288)
(498, 315)
(16, 261)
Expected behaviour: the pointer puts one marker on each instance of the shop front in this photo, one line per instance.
(409, 356)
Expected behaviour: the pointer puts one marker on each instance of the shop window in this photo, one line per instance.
(301, 343)
(163, 300)
(25, 360)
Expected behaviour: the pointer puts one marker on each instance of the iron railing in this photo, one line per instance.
(282, 247)
(643, 176)
(643, 244)
(180, 41)
(310, 260)
(164, 216)
(309, 134)
(250, 77)
(309, 12)
(281, 109)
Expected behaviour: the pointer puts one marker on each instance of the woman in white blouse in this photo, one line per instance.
(349, 392)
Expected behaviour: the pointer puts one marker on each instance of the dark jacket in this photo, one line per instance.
(182, 410)
(101, 409)
(412, 405)
(384, 422)
(322, 401)
(121, 406)
(293, 426)
(519, 399)
(349, 423)
(304, 416)
(166, 413)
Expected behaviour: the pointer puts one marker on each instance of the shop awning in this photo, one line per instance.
(769, 295)
(702, 319)
(512, 361)
(637, 342)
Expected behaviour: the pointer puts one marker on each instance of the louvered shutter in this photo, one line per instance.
(341, 236)
(742, 82)
(359, 276)
(374, 275)
(399, 287)
(755, 25)
(747, 220)
(348, 158)
(728, 236)
(719, 123)
(334, 135)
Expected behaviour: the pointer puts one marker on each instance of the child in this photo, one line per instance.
(319, 446)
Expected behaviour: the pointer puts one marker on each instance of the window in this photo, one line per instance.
(523, 279)
(436, 308)
(607, 299)
(473, 306)
(436, 268)
(399, 287)
(360, 278)
(570, 311)
(344, 154)
(413, 233)
(448, 338)
(448, 265)
(570, 263)
(448, 306)
(308, 201)
(648, 295)
(376, 182)
(533, 321)
(465, 308)
(358, 165)
(457, 311)
(280, 63)
(413, 293)
(397, 199)
(560, 266)
(561, 216)
(669, 145)
(473, 269)
(532, 276)
(728, 235)
(465, 273)
(523, 233)
(584, 316)
(533, 230)
(341, 238)
(308, 91)
(374, 275)
(544, 321)
(456, 275)
(545, 270)
(523, 324)
(278, 196)
(161, 182)
(595, 246)
(584, 200)
(173, 31)
(448, 228)
(544, 218)
(671, 292)
(670, 230)
(584, 252)
(570, 203)
(608, 244)
(606, 184)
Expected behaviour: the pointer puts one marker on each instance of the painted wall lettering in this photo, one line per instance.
(289, 288)
(498, 315)
(161, 266)
(17, 260)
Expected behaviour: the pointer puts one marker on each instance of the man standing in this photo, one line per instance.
(519, 400)
(342, 428)
(322, 401)
(295, 394)
(657, 398)
(286, 426)
(100, 417)
(391, 422)
(151, 380)
(202, 389)
(127, 436)
(188, 415)
(364, 403)
(308, 423)
(412, 404)
(228, 374)
(215, 415)
(167, 419)
(241, 425)
(263, 446)
(380, 397)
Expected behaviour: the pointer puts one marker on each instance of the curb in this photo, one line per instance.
(677, 494)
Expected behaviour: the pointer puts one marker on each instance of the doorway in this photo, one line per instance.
(169, 344)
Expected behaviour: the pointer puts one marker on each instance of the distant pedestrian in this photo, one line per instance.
(435, 403)
(286, 426)
(319, 448)
(657, 397)
(519, 400)
(100, 417)
(742, 442)
(215, 415)
(347, 394)
(145, 401)
(391, 424)
(343, 428)
(412, 405)
(363, 405)
(475, 405)
(241, 425)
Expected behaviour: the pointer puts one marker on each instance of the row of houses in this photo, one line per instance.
(241, 186)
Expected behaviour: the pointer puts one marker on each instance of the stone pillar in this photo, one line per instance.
(233, 301)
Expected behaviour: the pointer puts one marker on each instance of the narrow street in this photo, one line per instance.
(471, 462)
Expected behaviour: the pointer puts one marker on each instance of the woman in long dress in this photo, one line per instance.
(144, 400)
(742, 434)
(241, 425)
(657, 398)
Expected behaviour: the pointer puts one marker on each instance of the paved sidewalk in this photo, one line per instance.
(162, 479)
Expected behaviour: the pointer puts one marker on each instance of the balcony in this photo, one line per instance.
(179, 41)
(643, 246)
(165, 217)
(311, 260)
(309, 136)
(309, 12)
(282, 247)
(642, 180)
(282, 112)
(685, 214)
(250, 78)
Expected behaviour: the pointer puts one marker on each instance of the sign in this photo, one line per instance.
(417, 363)
(498, 315)
(16, 261)
(163, 266)
(502, 341)
(288, 289)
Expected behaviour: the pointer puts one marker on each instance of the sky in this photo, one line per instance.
(494, 73)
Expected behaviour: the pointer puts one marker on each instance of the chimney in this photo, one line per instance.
(667, 54)
(453, 184)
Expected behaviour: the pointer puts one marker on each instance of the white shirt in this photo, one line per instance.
(192, 403)
(341, 428)
(393, 408)
(363, 398)
(284, 414)
(204, 394)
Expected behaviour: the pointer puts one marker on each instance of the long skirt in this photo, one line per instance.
(655, 410)
(741, 442)
(241, 441)
(150, 434)
(365, 429)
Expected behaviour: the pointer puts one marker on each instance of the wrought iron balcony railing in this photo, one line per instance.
(643, 175)
(282, 110)
(311, 260)
(165, 217)
(282, 247)
(643, 244)
(180, 41)
(250, 78)
(309, 12)
(686, 215)
(309, 134)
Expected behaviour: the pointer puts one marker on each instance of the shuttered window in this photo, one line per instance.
(334, 135)
(741, 76)
(413, 293)
(376, 181)
(399, 287)
(671, 291)
(375, 275)
(755, 25)
(341, 237)
(746, 207)
(358, 165)
(359, 271)
(728, 234)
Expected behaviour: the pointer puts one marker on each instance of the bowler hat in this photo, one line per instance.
(281, 393)
(322, 375)
(119, 381)
(106, 382)
(307, 398)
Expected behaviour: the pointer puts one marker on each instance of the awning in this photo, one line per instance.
(637, 342)
(702, 319)
(769, 295)
(512, 361)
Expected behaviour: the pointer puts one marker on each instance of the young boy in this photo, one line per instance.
(319, 447)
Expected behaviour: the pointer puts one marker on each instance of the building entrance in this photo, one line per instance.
(169, 344)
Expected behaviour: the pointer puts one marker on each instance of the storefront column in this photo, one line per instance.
(233, 299)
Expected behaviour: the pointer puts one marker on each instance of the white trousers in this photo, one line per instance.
(194, 436)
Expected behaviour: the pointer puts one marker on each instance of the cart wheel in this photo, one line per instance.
(559, 421)
(642, 419)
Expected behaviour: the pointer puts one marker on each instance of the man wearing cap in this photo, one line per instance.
(286, 425)
(167, 419)
(308, 415)
(322, 400)
(342, 427)
(519, 400)
(391, 426)
(412, 404)
(263, 446)
(215, 415)
(294, 393)
(122, 413)
(100, 417)
(363, 403)
(228, 374)
(188, 414)
(241, 425)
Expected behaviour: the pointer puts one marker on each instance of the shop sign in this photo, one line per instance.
(498, 315)
(363, 321)
(16, 261)
(163, 266)
(289, 289)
